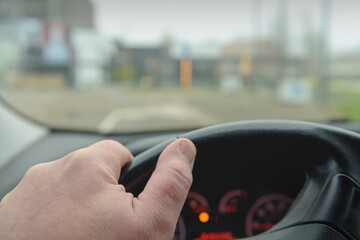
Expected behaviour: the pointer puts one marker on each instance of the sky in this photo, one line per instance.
(140, 22)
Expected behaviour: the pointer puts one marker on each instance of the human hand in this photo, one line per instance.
(78, 197)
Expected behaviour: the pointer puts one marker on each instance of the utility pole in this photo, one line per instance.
(282, 38)
(256, 23)
(324, 47)
(282, 25)
(256, 18)
(251, 61)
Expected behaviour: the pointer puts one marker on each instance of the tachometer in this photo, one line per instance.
(197, 203)
(231, 201)
(266, 212)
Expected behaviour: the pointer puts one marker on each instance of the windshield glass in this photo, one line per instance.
(128, 66)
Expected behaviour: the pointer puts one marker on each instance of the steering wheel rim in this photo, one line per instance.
(325, 209)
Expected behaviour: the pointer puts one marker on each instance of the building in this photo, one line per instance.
(266, 59)
(158, 66)
(345, 66)
(43, 34)
(91, 61)
(73, 13)
(147, 66)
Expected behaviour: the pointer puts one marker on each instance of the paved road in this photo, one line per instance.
(128, 110)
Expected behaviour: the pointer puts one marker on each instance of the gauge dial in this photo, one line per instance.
(266, 212)
(180, 231)
(231, 201)
(196, 212)
(197, 203)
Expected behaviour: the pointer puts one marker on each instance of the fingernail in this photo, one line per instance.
(188, 150)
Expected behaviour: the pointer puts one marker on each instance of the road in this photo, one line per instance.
(119, 109)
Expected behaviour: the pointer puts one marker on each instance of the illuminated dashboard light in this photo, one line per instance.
(216, 235)
(204, 217)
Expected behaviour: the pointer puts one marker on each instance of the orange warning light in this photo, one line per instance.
(204, 217)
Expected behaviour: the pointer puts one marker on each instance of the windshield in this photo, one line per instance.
(128, 66)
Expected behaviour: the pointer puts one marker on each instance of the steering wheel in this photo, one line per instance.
(328, 207)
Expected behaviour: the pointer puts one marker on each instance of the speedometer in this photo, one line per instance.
(266, 212)
(232, 201)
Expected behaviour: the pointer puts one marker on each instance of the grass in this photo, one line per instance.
(349, 105)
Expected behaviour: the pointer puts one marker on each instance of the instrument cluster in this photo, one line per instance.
(236, 214)
(240, 193)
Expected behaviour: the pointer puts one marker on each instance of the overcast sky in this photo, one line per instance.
(200, 21)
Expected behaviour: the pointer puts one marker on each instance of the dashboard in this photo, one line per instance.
(235, 216)
(236, 193)
(244, 200)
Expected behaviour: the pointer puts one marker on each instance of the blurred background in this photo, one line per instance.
(129, 66)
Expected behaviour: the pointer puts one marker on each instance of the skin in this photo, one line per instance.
(78, 197)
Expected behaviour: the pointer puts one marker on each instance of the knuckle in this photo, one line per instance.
(111, 143)
(122, 189)
(80, 158)
(114, 146)
(38, 169)
(80, 154)
(7, 198)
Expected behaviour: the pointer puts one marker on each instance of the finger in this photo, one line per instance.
(108, 154)
(169, 184)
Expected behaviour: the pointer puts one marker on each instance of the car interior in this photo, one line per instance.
(276, 126)
(264, 179)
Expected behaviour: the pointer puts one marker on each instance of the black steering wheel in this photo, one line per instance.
(328, 207)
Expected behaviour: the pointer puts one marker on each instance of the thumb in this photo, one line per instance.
(167, 189)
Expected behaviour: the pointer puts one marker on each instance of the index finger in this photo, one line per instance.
(108, 153)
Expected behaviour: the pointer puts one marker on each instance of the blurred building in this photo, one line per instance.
(74, 13)
(206, 58)
(10, 54)
(147, 66)
(259, 62)
(206, 71)
(43, 36)
(91, 59)
(345, 66)
(198, 62)
(160, 65)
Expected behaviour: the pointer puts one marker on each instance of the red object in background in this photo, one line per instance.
(50, 27)
(56, 50)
